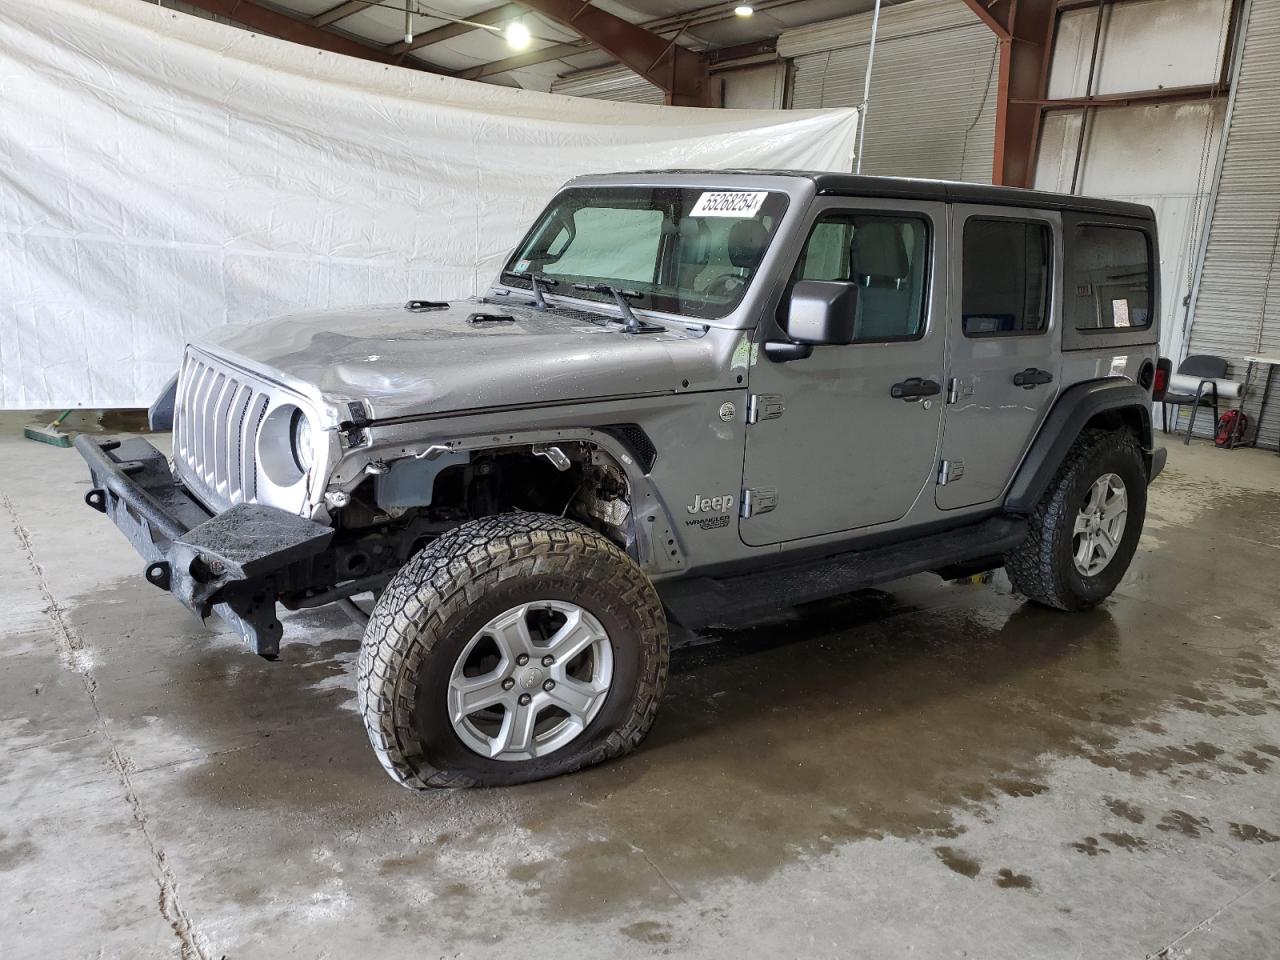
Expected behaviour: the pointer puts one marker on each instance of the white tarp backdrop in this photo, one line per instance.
(161, 175)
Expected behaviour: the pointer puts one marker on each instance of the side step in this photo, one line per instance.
(767, 594)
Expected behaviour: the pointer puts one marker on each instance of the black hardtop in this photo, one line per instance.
(946, 191)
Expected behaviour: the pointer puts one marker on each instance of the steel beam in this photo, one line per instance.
(1025, 31)
(257, 17)
(1163, 95)
(532, 58)
(714, 13)
(683, 75)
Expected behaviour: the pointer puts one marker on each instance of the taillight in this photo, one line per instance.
(1164, 368)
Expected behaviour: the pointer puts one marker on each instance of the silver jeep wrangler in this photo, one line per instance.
(689, 398)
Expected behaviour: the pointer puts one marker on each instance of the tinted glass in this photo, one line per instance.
(885, 255)
(1109, 286)
(687, 251)
(1006, 278)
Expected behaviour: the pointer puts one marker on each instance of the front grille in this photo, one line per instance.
(216, 421)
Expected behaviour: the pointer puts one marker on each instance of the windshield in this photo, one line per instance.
(672, 249)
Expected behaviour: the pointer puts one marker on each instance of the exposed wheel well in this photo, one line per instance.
(1129, 418)
(376, 533)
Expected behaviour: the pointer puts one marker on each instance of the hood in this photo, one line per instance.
(404, 363)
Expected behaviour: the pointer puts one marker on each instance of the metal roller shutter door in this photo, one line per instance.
(611, 83)
(1237, 303)
(933, 100)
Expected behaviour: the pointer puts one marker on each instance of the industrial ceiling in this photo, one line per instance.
(475, 39)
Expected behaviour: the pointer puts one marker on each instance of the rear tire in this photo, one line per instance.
(478, 613)
(1075, 553)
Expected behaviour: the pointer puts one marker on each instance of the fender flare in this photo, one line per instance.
(1070, 415)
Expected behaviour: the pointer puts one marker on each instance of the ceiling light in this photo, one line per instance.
(517, 35)
(743, 10)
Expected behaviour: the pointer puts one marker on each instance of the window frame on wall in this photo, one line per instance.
(1046, 298)
(924, 267)
(1107, 338)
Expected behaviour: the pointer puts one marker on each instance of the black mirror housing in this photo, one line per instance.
(822, 312)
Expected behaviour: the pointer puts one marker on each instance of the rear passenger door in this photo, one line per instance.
(1004, 364)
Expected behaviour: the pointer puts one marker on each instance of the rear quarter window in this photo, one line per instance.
(1108, 283)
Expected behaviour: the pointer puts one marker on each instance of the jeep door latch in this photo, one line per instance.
(1031, 378)
(915, 388)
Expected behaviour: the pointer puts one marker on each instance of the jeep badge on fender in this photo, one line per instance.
(703, 504)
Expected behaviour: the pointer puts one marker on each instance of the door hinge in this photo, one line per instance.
(950, 471)
(765, 406)
(958, 389)
(756, 502)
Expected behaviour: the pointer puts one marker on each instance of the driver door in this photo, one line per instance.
(830, 448)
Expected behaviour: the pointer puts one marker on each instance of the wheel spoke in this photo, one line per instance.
(511, 633)
(1084, 553)
(516, 735)
(470, 695)
(1097, 494)
(572, 638)
(1082, 523)
(574, 697)
(1116, 508)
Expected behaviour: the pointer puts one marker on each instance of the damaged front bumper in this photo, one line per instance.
(229, 564)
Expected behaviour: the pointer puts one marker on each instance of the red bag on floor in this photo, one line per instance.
(1231, 428)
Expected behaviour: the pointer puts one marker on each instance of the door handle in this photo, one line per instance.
(1031, 378)
(913, 388)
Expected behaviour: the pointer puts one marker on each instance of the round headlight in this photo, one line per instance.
(303, 452)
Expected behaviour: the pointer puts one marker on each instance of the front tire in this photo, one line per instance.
(512, 649)
(1085, 529)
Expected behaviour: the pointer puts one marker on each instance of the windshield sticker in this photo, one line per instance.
(521, 266)
(739, 205)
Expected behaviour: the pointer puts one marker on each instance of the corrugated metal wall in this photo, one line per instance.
(1237, 306)
(609, 83)
(933, 86)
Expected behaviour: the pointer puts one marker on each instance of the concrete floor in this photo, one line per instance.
(932, 770)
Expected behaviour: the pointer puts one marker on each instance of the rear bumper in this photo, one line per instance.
(229, 563)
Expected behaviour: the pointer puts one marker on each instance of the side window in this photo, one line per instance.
(1109, 281)
(1005, 286)
(886, 256)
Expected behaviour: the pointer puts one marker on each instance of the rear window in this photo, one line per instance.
(1109, 281)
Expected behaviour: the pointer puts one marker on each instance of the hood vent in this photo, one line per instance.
(489, 319)
(421, 306)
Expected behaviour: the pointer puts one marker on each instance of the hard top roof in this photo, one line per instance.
(910, 188)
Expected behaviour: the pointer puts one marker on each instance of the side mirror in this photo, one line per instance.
(822, 312)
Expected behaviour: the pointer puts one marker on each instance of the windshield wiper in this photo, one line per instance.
(536, 282)
(630, 321)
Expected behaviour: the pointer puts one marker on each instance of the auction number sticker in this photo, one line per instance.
(740, 205)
